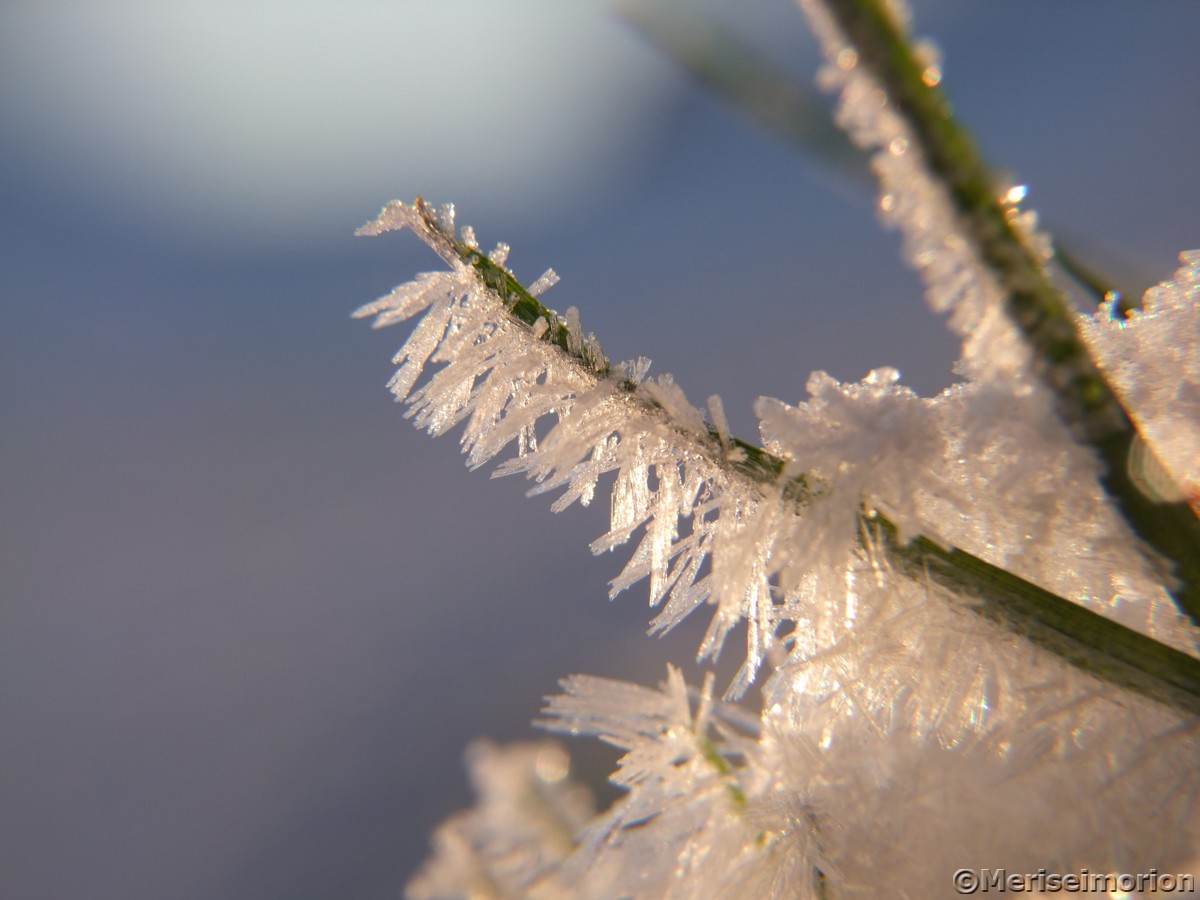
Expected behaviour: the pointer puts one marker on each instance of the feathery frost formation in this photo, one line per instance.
(505, 381)
(902, 736)
(1004, 403)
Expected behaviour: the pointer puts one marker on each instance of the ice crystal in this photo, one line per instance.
(848, 783)
(992, 463)
(932, 739)
(898, 815)
(696, 794)
(506, 382)
(982, 467)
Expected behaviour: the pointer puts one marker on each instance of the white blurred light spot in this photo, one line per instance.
(1016, 194)
(264, 115)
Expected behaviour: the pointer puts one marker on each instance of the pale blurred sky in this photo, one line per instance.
(249, 618)
(252, 120)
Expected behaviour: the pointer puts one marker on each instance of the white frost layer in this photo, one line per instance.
(691, 824)
(904, 736)
(929, 739)
(1072, 552)
(983, 467)
(1153, 360)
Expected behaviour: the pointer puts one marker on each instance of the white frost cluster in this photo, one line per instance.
(982, 467)
(697, 798)
(831, 795)
(1153, 360)
(514, 842)
(710, 536)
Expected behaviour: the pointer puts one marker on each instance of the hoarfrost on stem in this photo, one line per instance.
(669, 469)
(980, 467)
(902, 735)
(892, 709)
(915, 203)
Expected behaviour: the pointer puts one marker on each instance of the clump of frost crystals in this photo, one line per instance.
(514, 842)
(1153, 358)
(981, 467)
(996, 490)
(702, 816)
(850, 788)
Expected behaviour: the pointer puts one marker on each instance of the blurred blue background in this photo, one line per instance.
(249, 618)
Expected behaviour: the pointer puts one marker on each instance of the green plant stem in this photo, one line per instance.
(720, 60)
(522, 305)
(1085, 639)
(1091, 642)
(1083, 398)
(1088, 278)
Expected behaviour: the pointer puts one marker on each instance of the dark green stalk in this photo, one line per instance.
(1085, 639)
(1084, 399)
(1089, 279)
(720, 60)
(521, 305)
(1091, 642)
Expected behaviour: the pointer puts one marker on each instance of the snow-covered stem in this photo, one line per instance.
(1092, 642)
(1085, 400)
